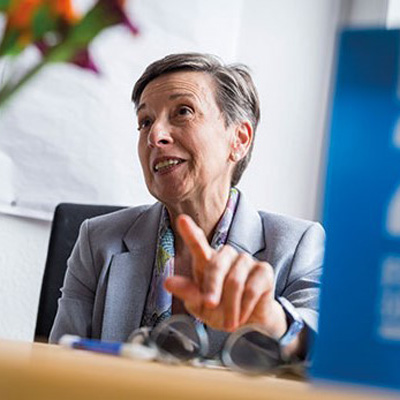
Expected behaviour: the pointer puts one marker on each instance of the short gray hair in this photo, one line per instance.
(235, 95)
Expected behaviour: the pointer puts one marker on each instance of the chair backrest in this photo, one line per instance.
(65, 228)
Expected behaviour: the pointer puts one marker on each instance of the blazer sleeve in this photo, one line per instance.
(303, 282)
(75, 306)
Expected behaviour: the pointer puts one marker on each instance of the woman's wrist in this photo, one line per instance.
(273, 320)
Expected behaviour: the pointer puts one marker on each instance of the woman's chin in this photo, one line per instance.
(170, 194)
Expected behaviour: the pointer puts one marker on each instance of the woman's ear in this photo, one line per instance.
(242, 140)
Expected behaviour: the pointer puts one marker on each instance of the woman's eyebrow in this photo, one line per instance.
(171, 97)
(141, 106)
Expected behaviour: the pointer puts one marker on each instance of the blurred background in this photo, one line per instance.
(70, 135)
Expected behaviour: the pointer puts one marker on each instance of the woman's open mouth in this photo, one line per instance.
(167, 164)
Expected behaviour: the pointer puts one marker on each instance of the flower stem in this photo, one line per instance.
(10, 89)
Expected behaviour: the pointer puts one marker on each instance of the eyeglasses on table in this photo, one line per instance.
(182, 339)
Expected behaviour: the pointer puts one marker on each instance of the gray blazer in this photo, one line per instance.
(110, 268)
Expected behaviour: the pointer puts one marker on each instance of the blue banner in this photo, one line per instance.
(359, 334)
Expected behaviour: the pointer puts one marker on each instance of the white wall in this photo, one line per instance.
(289, 46)
(393, 14)
(22, 257)
(367, 12)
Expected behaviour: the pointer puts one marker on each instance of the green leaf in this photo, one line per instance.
(60, 53)
(5, 5)
(9, 45)
(43, 22)
(97, 19)
(79, 36)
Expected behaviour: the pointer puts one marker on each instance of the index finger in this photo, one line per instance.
(194, 238)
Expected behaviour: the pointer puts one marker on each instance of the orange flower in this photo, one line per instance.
(21, 13)
(22, 18)
(64, 10)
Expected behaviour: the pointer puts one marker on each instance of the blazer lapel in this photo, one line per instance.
(129, 276)
(247, 231)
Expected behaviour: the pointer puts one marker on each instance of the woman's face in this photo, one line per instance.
(184, 146)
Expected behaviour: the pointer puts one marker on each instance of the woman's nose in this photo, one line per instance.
(159, 135)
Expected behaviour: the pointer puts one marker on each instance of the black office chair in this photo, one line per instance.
(64, 231)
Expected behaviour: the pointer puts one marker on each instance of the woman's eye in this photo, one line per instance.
(144, 123)
(185, 111)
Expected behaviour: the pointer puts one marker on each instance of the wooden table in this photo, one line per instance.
(41, 371)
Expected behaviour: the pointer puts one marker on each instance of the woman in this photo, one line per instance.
(201, 249)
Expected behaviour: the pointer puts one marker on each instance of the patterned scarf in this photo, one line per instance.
(159, 301)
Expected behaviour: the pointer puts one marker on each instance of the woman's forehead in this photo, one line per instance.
(198, 85)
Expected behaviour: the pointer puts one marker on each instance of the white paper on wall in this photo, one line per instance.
(70, 136)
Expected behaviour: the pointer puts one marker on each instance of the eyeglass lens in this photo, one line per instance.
(253, 352)
(179, 338)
